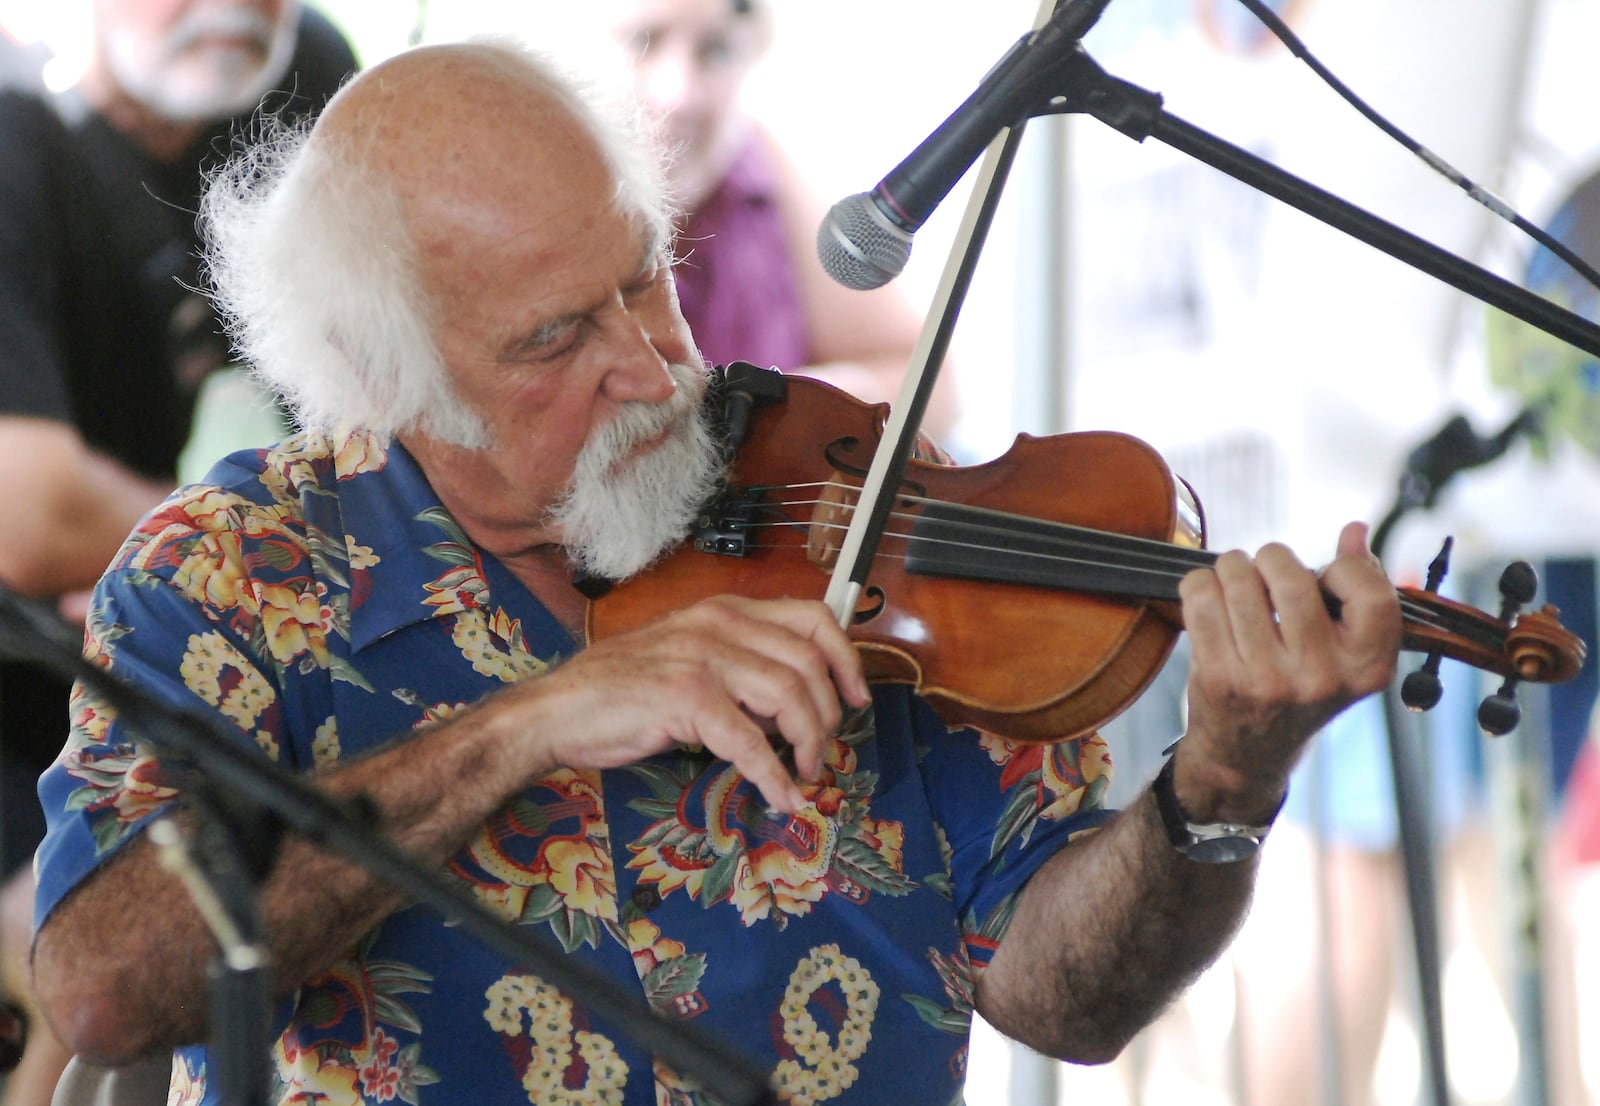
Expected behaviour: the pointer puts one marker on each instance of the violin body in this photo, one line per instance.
(1028, 663)
(1034, 596)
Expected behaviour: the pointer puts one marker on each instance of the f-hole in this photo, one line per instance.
(865, 614)
(839, 448)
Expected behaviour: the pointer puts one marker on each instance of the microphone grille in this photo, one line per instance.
(858, 246)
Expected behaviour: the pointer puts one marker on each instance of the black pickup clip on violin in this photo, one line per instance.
(1033, 596)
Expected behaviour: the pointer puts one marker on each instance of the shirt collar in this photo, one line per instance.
(385, 514)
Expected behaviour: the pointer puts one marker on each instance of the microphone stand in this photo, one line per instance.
(1086, 88)
(1453, 449)
(1075, 83)
(221, 862)
(236, 848)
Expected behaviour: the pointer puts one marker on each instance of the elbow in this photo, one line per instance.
(1090, 1047)
(1054, 1027)
(89, 1007)
(1092, 1052)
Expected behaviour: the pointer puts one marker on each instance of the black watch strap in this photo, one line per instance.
(1206, 842)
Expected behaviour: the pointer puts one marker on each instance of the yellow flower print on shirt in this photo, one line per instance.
(822, 1067)
(293, 623)
(494, 645)
(563, 1064)
(545, 857)
(224, 677)
(715, 842)
(213, 526)
(669, 973)
(325, 746)
(488, 637)
(358, 451)
(292, 462)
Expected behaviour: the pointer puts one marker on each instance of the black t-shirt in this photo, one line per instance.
(100, 325)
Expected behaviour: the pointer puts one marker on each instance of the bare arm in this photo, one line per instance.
(68, 508)
(116, 991)
(862, 341)
(1111, 929)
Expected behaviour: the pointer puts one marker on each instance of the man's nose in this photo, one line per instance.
(638, 371)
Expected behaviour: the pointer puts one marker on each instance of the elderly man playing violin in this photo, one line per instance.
(482, 344)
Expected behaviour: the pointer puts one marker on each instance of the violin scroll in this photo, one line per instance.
(1519, 647)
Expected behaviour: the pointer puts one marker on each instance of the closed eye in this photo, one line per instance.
(554, 339)
(640, 288)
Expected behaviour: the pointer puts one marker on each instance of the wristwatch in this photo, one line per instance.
(1206, 842)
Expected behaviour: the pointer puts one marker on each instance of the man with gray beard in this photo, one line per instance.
(497, 389)
(104, 344)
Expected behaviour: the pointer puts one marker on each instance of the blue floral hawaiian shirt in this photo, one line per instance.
(321, 601)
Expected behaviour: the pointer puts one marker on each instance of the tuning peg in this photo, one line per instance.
(1421, 690)
(1440, 565)
(1519, 582)
(1499, 713)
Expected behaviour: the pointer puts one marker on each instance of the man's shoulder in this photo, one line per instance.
(266, 509)
(44, 186)
(322, 43)
(304, 466)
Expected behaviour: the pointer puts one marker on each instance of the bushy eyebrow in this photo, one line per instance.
(652, 254)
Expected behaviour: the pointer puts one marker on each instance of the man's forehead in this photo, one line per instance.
(584, 265)
(444, 103)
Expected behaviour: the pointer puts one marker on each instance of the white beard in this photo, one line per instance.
(619, 516)
(183, 86)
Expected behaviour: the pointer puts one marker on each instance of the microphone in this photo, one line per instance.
(865, 239)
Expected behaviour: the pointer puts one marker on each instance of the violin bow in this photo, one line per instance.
(899, 439)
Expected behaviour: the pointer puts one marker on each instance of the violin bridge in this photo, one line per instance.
(830, 521)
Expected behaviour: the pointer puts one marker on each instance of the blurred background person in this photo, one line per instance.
(1314, 1008)
(104, 344)
(749, 281)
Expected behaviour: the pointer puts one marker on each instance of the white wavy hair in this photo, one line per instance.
(313, 269)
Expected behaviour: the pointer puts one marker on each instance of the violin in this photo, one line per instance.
(1033, 596)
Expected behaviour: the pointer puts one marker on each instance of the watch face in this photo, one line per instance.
(1222, 850)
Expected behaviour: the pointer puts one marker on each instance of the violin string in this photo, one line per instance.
(1182, 558)
(1161, 567)
(1167, 561)
(1006, 525)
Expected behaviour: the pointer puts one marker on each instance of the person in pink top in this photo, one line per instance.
(748, 277)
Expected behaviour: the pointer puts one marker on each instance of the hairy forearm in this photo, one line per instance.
(118, 968)
(1106, 935)
(121, 964)
(1113, 927)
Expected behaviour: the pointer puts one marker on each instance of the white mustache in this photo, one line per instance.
(195, 28)
(639, 422)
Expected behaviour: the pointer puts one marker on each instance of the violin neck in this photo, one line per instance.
(972, 543)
